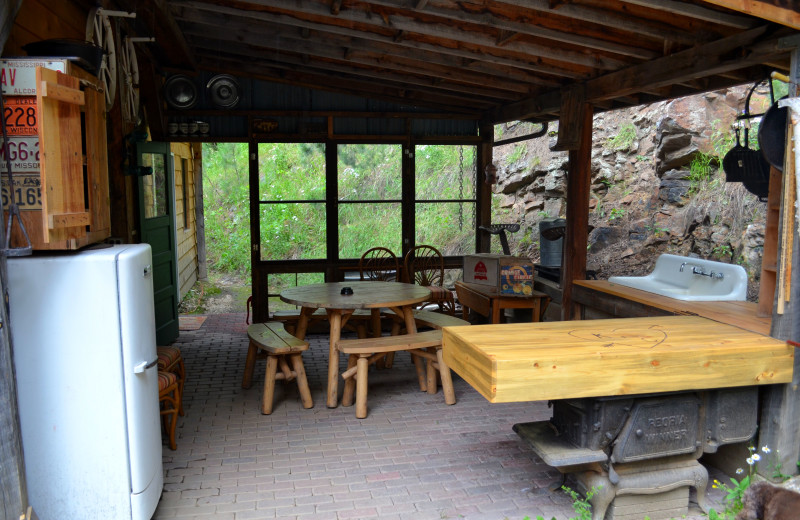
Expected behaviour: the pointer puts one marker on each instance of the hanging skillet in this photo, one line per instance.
(772, 135)
(733, 162)
(755, 169)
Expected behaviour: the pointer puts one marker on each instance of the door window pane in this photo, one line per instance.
(155, 186)
(370, 171)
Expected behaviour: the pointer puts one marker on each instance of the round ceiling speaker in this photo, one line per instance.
(180, 92)
(224, 91)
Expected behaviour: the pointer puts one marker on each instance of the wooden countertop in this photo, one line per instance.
(562, 360)
(737, 313)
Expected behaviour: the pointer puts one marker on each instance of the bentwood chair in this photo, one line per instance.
(378, 264)
(424, 265)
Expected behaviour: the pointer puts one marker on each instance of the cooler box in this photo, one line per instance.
(512, 276)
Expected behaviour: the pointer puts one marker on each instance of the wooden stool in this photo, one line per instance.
(170, 360)
(169, 397)
(271, 340)
(364, 352)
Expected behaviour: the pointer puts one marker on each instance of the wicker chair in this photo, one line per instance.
(169, 398)
(170, 360)
(424, 265)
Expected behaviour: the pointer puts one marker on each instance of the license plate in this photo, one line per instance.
(22, 116)
(23, 152)
(18, 76)
(26, 189)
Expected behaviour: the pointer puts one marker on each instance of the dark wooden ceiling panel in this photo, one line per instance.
(498, 60)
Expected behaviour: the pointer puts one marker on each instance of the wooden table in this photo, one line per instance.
(627, 356)
(398, 297)
(486, 300)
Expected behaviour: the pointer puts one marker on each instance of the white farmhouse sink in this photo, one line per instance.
(680, 277)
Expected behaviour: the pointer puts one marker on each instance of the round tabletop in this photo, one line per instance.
(366, 295)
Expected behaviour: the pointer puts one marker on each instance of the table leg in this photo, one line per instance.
(537, 305)
(411, 328)
(335, 318)
(495, 311)
(302, 323)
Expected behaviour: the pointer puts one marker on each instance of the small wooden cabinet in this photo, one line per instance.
(59, 155)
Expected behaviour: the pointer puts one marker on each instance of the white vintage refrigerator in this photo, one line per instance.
(83, 334)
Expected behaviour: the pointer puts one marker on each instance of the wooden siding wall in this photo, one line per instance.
(35, 22)
(186, 238)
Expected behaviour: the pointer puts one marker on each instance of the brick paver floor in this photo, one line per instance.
(413, 457)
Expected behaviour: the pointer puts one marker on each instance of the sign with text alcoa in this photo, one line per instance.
(512, 276)
(18, 75)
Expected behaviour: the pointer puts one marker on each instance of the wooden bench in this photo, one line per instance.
(437, 320)
(290, 319)
(364, 352)
(270, 340)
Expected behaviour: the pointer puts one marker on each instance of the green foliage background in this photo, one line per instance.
(369, 191)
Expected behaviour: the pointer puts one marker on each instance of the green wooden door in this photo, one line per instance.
(157, 217)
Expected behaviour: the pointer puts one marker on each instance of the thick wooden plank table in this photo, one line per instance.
(595, 358)
(398, 297)
(487, 300)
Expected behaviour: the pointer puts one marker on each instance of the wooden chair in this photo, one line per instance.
(170, 360)
(271, 340)
(169, 398)
(424, 265)
(381, 265)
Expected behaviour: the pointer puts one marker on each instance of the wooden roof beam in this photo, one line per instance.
(698, 12)
(372, 70)
(604, 17)
(403, 20)
(777, 12)
(503, 25)
(466, 93)
(257, 32)
(700, 62)
(413, 45)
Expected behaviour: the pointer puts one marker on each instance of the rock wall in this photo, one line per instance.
(657, 187)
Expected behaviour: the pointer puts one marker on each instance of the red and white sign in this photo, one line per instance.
(480, 271)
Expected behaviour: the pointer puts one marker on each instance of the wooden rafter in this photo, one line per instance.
(784, 12)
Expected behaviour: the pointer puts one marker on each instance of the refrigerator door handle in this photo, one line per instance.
(144, 365)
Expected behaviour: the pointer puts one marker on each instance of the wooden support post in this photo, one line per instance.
(199, 215)
(573, 261)
(483, 214)
(780, 416)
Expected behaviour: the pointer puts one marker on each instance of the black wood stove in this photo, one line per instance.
(641, 452)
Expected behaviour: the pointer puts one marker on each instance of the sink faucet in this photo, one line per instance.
(698, 270)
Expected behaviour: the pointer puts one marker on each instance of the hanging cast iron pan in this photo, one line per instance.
(755, 168)
(733, 162)
(772, 135)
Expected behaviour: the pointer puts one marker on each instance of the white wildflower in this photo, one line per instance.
(750, 461)
(739, 471)
(765, 449)
(756, 457)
